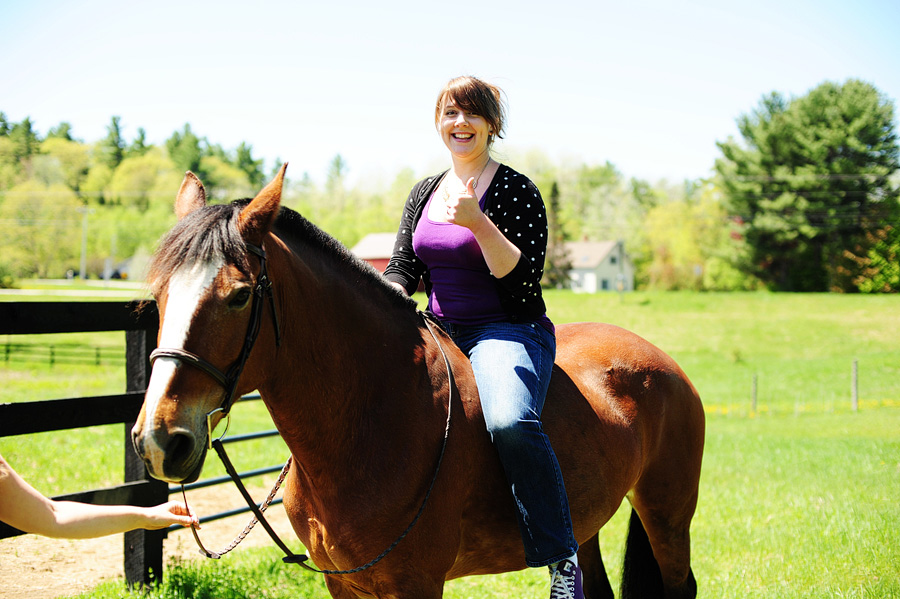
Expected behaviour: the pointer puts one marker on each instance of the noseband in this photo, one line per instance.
(229, 379)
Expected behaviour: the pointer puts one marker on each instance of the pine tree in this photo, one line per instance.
(557, 264)
(112, 147)
(811, 181)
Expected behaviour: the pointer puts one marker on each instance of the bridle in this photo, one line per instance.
(229, 380)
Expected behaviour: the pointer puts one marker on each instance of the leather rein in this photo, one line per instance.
(229, 380)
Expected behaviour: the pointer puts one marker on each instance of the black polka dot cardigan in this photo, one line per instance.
(515, 205)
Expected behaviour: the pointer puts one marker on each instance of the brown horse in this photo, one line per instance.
(359, 390)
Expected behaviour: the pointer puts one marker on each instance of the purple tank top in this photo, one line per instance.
(463, 291)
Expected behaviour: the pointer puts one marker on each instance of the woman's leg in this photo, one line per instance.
(512, 365)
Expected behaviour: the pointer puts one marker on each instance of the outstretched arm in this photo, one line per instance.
(25, 508)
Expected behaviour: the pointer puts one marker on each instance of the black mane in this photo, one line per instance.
(212, 231)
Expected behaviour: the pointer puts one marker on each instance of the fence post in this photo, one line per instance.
(143, 548)
(854, 386)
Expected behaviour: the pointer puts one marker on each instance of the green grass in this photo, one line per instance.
(798, 499)
(800, 347)
(793, 507)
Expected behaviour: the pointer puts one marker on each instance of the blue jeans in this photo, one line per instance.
(512, 363)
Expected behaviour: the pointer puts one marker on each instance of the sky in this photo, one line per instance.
(647, 86)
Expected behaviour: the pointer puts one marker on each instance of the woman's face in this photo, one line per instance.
(465, 134)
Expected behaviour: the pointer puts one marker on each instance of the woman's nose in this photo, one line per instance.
(461, 118)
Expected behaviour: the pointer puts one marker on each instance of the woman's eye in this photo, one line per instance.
(240, 299)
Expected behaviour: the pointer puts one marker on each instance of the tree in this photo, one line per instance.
(334, 182)
(184, 150)
(61, 131)
(137, 180)
(224, 181)
(44, 238)
(70, 158)
(243, 159)
(10, 166)
(112, 148)
(139, 146)
(25, 140)
(879, 268)
(810, 181)
(557, 264)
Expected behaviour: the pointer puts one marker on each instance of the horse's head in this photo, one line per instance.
(206, 284)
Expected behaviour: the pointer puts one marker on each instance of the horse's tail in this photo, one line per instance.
(640, 572)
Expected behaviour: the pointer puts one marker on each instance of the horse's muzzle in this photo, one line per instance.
(175, 457)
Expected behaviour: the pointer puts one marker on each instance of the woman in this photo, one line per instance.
(22, 507)
(477, 235)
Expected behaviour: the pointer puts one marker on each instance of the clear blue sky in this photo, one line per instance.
(648, 86)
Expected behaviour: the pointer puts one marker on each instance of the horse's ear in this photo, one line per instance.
(257, 218)
(190, 197)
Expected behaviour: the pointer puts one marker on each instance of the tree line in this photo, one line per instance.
(806, 200)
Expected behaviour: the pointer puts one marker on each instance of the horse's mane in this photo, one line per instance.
(292, 225)
(212, 231)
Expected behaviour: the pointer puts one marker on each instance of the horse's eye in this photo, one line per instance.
(240, 299)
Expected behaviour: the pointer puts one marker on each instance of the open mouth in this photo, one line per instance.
(463, 136)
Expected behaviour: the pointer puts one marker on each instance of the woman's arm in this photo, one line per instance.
(23, 507)
(500, 253)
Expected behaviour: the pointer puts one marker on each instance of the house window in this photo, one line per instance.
(604, 284)
(612, 259)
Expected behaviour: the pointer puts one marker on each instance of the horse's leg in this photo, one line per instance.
(640, 571)
(595, 581)
(659, 530)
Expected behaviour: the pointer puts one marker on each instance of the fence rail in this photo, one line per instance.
(140, 321)
(53, 354)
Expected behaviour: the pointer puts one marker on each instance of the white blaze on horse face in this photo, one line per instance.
(187, 287)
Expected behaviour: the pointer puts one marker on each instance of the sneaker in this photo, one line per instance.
(565, 581)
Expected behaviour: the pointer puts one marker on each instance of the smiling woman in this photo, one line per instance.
(480, 249)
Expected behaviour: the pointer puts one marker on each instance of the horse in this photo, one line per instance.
(360, 386)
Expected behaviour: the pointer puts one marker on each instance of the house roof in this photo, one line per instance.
(588, 254)
(374, 246)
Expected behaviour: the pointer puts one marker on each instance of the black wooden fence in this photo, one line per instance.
(140, 321)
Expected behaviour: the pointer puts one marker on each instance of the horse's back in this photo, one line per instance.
(621, 415)
(618, 370)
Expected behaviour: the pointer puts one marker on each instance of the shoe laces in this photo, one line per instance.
(563, 580)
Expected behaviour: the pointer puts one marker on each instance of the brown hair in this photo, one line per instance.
(478, 97)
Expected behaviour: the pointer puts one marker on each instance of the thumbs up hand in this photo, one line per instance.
(470, 187)
(463, 208)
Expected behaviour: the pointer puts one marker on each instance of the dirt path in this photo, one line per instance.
(33, 567)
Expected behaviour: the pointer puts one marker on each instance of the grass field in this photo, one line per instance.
(798, 499)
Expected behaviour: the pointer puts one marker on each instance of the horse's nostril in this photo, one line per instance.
(180, 446)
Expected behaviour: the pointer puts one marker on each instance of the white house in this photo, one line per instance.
(600, 266)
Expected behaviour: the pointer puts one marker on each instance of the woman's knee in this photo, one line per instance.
(514, 432)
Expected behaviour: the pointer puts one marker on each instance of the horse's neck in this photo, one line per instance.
(345, 379)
